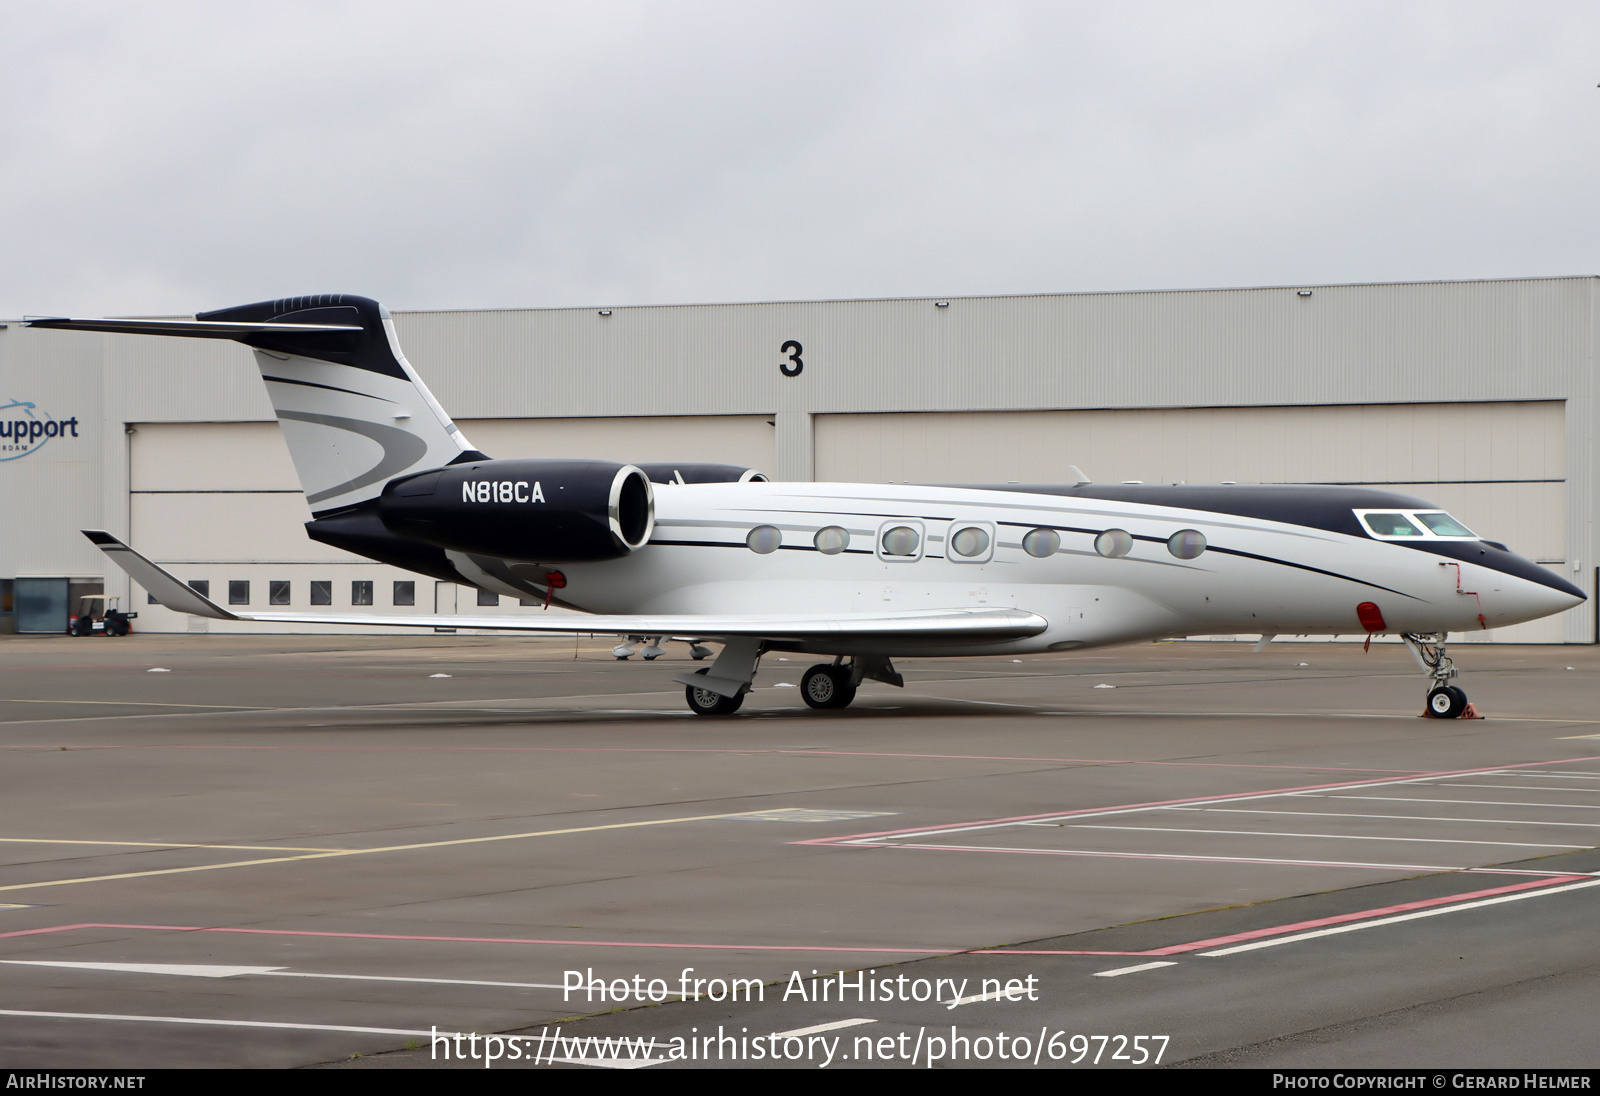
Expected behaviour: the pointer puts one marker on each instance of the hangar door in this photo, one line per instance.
(1499, 467)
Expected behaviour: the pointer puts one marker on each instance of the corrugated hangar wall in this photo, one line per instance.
(1476, 395)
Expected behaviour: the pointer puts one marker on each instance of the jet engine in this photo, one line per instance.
(668, 472)
(543, 511)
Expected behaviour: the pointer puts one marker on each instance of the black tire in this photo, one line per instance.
(81, 626)
(705, 702)
(827, 686)
(1447, 702)
(116, 628)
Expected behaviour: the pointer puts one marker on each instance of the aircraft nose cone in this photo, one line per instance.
(1543, 594)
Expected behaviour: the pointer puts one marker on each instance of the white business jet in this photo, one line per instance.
(864, 573)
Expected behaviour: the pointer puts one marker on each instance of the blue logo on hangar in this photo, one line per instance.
(24, 429)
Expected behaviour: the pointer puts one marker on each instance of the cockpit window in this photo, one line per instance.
(1444, 525)
(1414, 524)
(1391, 525)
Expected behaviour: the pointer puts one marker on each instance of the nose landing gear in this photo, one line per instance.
(1445, 701)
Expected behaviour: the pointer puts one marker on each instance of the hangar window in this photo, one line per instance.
(489, 598)
(238, 591)
(278, 591)
(901, 543)
(970, 543)
(831, 540)
(1187, 543)
(201, 586)
(405, 593)
(321, 592)
(1041, 543)
(764, 539)
(1114, 543)
(361, 592)
(1390, 525)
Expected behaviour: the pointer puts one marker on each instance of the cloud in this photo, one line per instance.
(173, 157)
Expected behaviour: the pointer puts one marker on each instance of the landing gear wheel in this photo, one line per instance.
(1447, 702)
(705, 702)
(827, 686)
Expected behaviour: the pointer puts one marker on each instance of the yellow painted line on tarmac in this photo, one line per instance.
(164, 845)
(365, 852)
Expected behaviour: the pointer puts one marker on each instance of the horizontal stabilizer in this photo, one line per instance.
(194, 329)
(978, 625)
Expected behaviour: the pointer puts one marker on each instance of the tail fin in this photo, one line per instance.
(353, 411)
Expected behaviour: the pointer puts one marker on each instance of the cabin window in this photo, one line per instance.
(278, 592)
(831, 540)
(970, 543)
(1391, 525)
(1443, 525)
(321, 591)
(1041, 543)
(764, 539)
(900, 542)
(405, 593)
(1114, 543)
(1187, 543)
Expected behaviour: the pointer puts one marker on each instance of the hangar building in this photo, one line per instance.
(1478, 396)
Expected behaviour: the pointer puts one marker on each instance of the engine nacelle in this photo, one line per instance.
(667, 473)
(541, 511)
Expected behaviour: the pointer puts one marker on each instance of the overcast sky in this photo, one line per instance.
(162, 158)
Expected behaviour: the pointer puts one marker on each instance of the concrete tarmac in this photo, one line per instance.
(296, 851)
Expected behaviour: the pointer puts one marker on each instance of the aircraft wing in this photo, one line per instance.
(974, 624)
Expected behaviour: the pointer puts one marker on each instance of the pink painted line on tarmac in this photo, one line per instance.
(1320, 922)
(1362, 915)
(488, 939)
(1280, 862)
(1224, 798)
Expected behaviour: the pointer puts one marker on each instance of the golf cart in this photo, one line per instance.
(98, 615)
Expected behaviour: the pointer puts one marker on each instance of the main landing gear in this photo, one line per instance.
(828, 685)
(1445, 701)
(719, 689)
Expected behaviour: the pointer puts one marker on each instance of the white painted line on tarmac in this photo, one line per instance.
(1468, 802)
(992, 995)
(1338, 837)
(1508, 787)
(1559, 774)
(1120, 971)
(202, 970)
(799, 1032)
(1358, 926)
(111, 1017)
(186, 970)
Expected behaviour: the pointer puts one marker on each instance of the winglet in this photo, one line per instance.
(163, 587)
